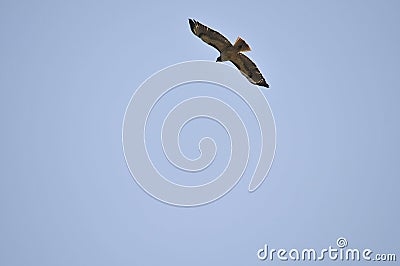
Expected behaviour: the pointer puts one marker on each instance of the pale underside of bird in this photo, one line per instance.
(229, 52)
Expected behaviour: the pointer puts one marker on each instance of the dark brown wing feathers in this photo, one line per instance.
(249, 69)
(210, 36)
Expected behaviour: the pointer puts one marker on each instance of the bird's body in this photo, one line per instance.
(229, 52)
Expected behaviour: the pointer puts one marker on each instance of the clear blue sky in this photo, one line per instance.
(68, 70)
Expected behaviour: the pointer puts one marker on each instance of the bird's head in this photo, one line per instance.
(218, 59)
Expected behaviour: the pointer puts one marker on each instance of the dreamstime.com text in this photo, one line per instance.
(339, 253)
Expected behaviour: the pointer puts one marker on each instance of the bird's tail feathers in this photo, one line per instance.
(241, 45)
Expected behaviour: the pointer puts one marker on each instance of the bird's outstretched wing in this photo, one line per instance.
(249, 69)
(210, 36)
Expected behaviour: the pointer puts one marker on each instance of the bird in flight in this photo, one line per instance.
(229, 52)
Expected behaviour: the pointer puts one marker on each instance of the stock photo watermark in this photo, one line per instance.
(339, 252)
(158, 85)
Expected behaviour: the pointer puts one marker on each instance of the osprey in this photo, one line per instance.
(229, 52)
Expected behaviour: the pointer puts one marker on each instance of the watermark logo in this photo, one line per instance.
(341, 242)
(157, 86)
(339, 253)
